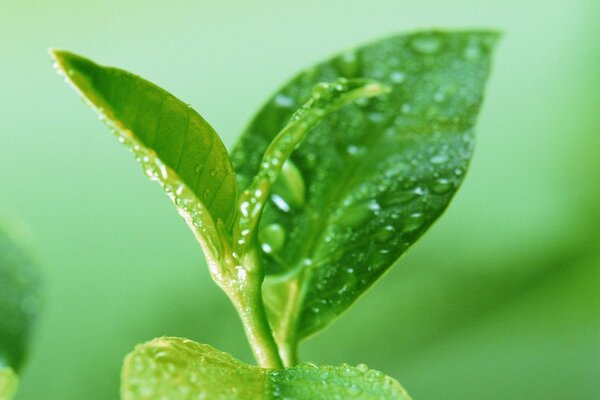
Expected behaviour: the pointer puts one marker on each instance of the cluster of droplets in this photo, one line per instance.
(307, 380)
(186, 202)
(421, 166)
(183, 369)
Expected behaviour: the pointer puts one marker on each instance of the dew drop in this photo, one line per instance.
(413, 222)
(272, 238)
(354, 150)
(284, 101)
(426, 44)
(472, 51)
(213, 172)
(397, 77)
(280, 203)
(348, 64)
(439, 158)
(362, 367)
(441, 186)
(386, 233)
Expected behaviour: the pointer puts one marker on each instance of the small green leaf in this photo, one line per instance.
(174, 144)
(325, 99)
(8, 383)
(370, 179)
(19, 298)
(177, 368)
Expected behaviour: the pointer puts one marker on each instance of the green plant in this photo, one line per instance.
(338, 174)
(19, 304)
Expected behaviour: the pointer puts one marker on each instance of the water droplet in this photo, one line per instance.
(355, 150)
(472, 51)
(426, 44)
(244, 208)
(376, 117)
(362, 367)
(386, 233)
(272, 238)
(213, 172)
(439, 158)
(348, 64)
(413, 222)
(280, 203)
(441, 186)
(241, 273)
(284, 101)
(397, 77)
(289, 186)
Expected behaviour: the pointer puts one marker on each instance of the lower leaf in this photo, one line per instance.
(175, 368)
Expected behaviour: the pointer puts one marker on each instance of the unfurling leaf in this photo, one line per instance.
(175, 368)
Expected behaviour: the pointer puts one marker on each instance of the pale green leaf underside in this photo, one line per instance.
(177, 368)
(175, 145)
(369, 180)
(8, 383)
(19, 298)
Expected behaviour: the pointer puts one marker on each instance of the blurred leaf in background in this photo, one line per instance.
(19, 304)
(499, 299)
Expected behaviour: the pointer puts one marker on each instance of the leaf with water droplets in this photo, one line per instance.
(370, 179)
(174, 144)
(8, 383)
(325, 99)
(176, 368)
(19, 297)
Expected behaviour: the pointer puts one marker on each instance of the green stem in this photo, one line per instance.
(243, 285)
(289, 353)
(252, 313)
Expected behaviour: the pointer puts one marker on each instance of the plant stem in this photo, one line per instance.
(289, 354)
(241, 277)
(251, 309)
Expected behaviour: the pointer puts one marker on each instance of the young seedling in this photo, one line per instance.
(342, 170)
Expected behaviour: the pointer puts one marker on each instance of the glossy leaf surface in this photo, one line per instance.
(183, 369)
(174, 144)
(19, 299)
(370, 179)
(325, 99)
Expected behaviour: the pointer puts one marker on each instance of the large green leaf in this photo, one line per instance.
(177, 368)
(175, 145)
(19, 298)
(368, 180)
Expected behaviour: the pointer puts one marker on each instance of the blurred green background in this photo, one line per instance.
(500, 300)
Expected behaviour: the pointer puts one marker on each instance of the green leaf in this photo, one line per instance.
(19, 297)
(370, 179)
(8, 383)
(325, 99)
(182, 369)
(174, 144)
